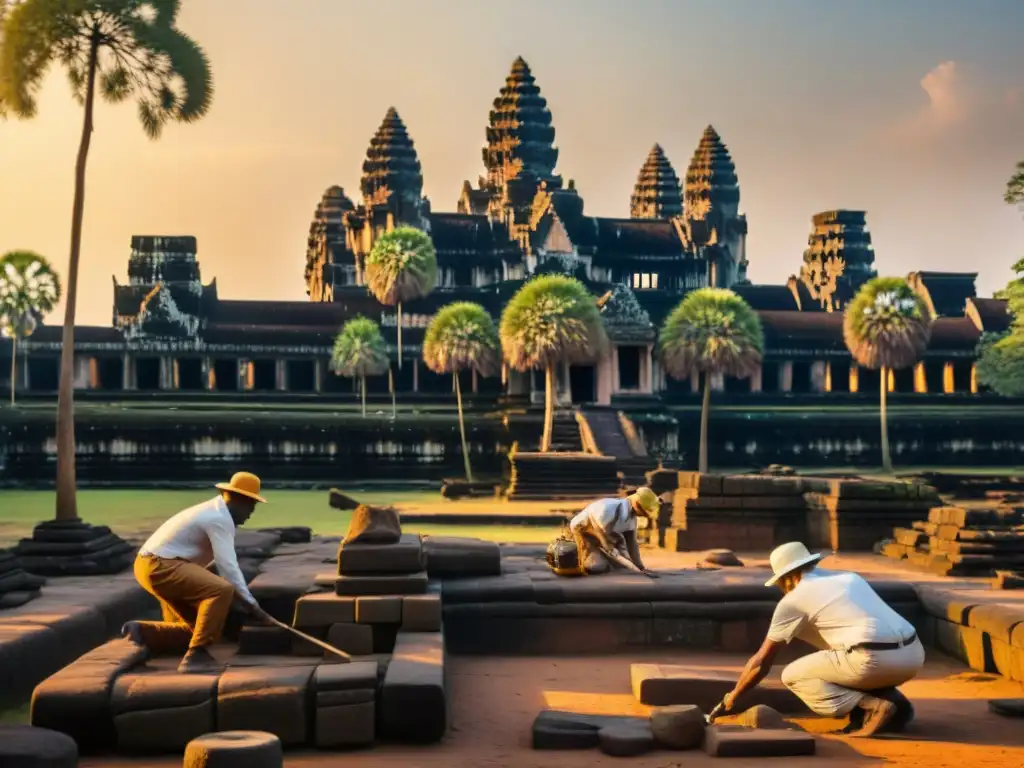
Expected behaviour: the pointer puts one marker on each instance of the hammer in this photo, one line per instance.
(714, 712)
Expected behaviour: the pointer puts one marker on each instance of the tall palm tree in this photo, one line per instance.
(401, 266)
(551, 320)
(886, 326)
(28, 288)
(360, 351)
(712, 331)
(462, 337)
(124, 49)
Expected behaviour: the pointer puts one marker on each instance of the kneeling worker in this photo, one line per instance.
(605, 531)
(173, 567)
(866, 646)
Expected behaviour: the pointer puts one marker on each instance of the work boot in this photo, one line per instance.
(877, 714)
(198, 661)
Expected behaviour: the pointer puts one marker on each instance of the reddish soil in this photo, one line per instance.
(494, 701)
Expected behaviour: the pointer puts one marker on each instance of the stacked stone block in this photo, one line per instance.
(17, 586)
(542, 476)
(962, 542)
(74, 548)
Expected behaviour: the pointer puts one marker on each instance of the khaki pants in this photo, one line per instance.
(832, 683)
(195, 604)
(592, 558)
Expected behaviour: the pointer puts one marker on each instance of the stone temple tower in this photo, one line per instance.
(392, 182)
(657, 194)
(712, 193)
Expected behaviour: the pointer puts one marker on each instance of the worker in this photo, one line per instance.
(173, 566)
(865, 646)
(605, 531)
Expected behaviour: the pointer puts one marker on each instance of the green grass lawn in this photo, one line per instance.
(135, 513)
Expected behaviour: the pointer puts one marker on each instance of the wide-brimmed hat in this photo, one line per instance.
(244, 484)
(786, 558)
(647, 500)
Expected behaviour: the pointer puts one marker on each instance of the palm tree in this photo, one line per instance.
(128, 48)
(401, 266)
(360, 351)
(551, 320)
(462, 337)
(711, 332)
(28, 288)
(886, 326)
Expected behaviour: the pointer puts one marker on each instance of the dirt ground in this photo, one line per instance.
(494, 701)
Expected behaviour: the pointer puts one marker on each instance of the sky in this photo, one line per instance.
(912, 110)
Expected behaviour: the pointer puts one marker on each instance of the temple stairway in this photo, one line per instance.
(565, 433)
(609, 430)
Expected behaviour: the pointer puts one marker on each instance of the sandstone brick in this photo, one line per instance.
(264, 641)
(379, 584)
(965, 643)
(340, 698)
(270, 699)
(379, 609)
(678, 727)
(250, 749)
(323, 609)
(737, 741)
(413, 704)
(345, 725)
(666, 685)
(22, 746)
(421, 613)
(344, 677)
(355, 639)
(405, 556)
(626, 739)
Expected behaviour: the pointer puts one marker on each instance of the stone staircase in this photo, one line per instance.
(565, 433)
(614, 435)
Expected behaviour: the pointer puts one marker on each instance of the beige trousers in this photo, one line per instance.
(832, 683)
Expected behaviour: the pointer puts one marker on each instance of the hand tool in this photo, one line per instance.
(714, 712)
(326, 646)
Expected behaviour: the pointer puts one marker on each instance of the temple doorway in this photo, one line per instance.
(264, 375)
(582, 384)
(225, 375)
(301, 376)
(110, 371)
(629, 368)
(43, 374)
(147, 374)
(190, 374)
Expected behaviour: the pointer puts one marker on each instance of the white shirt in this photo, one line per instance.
(201, 534)
(610, 515)
(838, 610)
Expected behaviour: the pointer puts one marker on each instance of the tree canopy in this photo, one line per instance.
(462, 336)
(401, 266)
(360, 350)
(28, 287)
(712, 330)
(886, 325)
(1015, 187)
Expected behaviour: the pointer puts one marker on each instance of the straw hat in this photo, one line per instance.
(647, 500)
(787, 558)
(244, 484)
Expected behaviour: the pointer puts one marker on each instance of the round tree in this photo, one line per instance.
(401, 266)
(711, 332)
(551, 320)
(886, 327)
(462, 337)
(28, 288)
(360, 351)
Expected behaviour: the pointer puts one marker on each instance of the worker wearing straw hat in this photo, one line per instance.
(866, 646)
(173, 566)
(605, 531)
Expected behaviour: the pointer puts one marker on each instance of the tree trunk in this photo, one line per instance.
(391, 387)
(362, 392)
(883, 397)
(462, 428)
(549, 407)
(705, 412)
(14, 364)
(67, 503)
(398, 318)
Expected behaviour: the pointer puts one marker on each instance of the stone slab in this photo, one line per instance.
(405, 556)
(413, 705)
(234, 749)
(345, 725)
(28, 653)
(163, 730)
(270, 699)
(355, 639)
(339, 698)
(661, 685)
(449, 556)
(267, 641)
(678, 727)
(22, 746)
(997, 619)
(737, 741)
(346, 677)
(134, 692)
(381, 584)
(554, 729)
(421, 613)
(379, 609)
(323, 609)
(626, 739)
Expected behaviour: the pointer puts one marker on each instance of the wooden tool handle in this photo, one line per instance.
(326, 646)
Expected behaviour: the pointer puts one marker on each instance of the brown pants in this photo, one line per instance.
(195, 604)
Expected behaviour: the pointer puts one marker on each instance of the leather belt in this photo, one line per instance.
(885, 646)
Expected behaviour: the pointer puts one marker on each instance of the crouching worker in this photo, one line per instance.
(866, 646)
(173, 567)
(605, 531)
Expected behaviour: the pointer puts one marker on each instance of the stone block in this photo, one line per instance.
(22, 746)
(996, 619)
(1007, 707)
(662, 685)
(737, 741)
(404, 556)
(553, 729)
(763, 717)
(374, 525)
(340, 698)
(421, 613)
(456, 556)
(303, 647)
(678, 727)
(626, 739)
(264, 641)
(345, 725)
(413, 705)
(345, 677)
(381, 584)
(271, 699)
(965, 643)
(354, 639)
(28, 653)
(76, 700)
(943, 604)
(379, 609)
(322, 609)
(158, 712)
(235, 749)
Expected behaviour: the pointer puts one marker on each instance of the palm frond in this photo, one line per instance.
(28, 287)
(712, 330)
(360, 350)
(462, 336)
(401, 266)
(887, 324)
(551, 319)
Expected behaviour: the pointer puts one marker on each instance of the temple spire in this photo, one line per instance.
(391, 171)
(711, 183)
(657, 194)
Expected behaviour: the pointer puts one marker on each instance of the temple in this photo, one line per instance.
(171, 331)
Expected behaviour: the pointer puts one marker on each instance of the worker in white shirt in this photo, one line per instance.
(173, 567)
(605, 531)
(865, 645)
